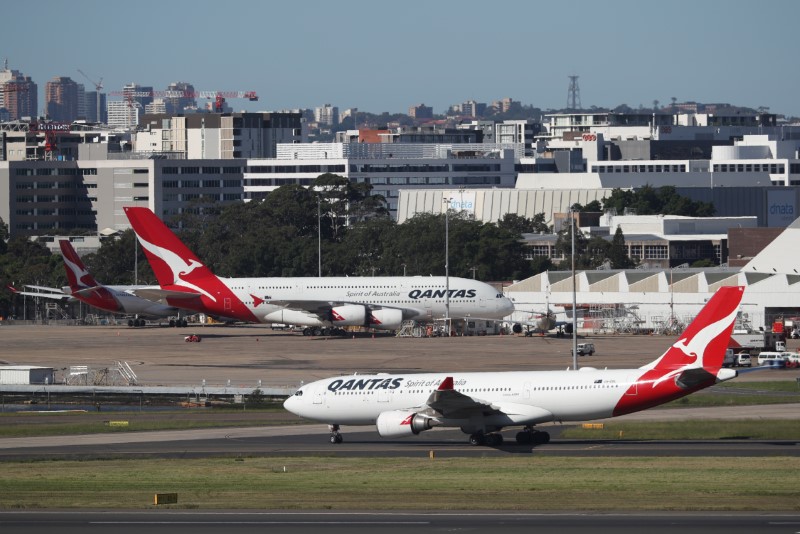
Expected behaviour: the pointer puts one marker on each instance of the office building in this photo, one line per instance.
(61, 99)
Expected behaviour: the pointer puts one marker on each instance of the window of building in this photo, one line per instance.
(169, 170)
(190, 170)
(211, 170)
(656, 252)
(190, 183)
(237, 183)
(234, 170)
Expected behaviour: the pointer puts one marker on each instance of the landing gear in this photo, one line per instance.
(336, 437)
(529, 436)
(492, 439)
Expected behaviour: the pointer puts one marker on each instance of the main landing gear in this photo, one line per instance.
(336, 437)
(529, 436)
(492, 439)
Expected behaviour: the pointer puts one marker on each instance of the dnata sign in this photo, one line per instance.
(781, 208)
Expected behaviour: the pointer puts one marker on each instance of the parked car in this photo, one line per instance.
(585, 348)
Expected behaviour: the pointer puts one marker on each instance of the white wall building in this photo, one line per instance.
(389, 167)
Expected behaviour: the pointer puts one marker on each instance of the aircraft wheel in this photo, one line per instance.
(494, 440)
(336, 439)
(541, 438)
(478, 438)
(317, 331)
(525, 437)
(131, 323)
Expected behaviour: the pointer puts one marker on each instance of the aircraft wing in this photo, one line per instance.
(42, 292)
(161, 295)
(448, 403)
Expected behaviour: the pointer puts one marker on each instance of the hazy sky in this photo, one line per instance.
(380, 55)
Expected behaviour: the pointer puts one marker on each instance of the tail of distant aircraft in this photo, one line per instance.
(77, 275)
(82, 284)
(694, 361)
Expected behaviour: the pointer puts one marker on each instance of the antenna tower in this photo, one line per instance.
(574, 94)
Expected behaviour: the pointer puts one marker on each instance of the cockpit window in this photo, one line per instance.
(298, 393)
(499, 296)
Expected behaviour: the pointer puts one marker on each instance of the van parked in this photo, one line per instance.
(743, 360)
(773, 359)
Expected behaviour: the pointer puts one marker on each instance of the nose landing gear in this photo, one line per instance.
(336, 437)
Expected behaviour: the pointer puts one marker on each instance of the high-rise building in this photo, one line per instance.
(137, 97)
(122, 114)
(420, 112)
(327, 114)
(180, 95)
(93, 107)
(18, 94)
(61, 98)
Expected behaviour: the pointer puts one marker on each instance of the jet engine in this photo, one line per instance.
(401, 424)
(386, 318)
(349, 315)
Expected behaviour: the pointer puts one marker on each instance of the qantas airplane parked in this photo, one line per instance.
(114, 299)
(482, 404)
(382, 302)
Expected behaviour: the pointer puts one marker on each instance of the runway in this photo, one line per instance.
(364, 442)
(194, 522)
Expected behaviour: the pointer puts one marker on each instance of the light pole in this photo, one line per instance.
(574, 295)
(319, 236)
(446, 202)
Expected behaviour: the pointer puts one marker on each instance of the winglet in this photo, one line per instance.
(447, 384)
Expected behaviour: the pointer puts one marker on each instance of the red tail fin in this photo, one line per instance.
(171, 260)
(77, 274)
(705, 340)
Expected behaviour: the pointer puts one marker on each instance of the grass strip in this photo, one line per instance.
(689, 430)
(514, 483)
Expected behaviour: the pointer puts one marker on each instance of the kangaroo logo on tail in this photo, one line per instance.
(77, 274)
(179, 266)
(694, 347)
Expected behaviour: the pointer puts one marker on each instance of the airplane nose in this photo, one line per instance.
(290, 404)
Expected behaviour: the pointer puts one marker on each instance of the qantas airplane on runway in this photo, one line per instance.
(114, 299)
(482, 404)
(382, 302)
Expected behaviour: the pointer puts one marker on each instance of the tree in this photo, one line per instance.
(115, 261)
(648, 200)
(618, 252)
(519, 225)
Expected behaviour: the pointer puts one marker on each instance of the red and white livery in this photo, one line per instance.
(114, 299)
(481, 404)
(381, 302)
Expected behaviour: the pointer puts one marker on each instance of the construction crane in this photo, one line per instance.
(98, 85)
(218, 96)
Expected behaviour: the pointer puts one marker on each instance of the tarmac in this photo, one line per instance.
(251, 356)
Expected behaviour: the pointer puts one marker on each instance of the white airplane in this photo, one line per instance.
(382, 302)
(114, 299)
(481, 404)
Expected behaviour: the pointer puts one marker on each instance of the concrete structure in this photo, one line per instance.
(25, 375)
(639, 300)
(122, 115)
(61, 99)
(45, 197)
(389, 168)
(219, 135)
(327, 115)
(19, 95)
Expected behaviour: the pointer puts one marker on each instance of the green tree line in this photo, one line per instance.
(282, 235)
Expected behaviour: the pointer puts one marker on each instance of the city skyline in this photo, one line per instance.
(380, 57)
